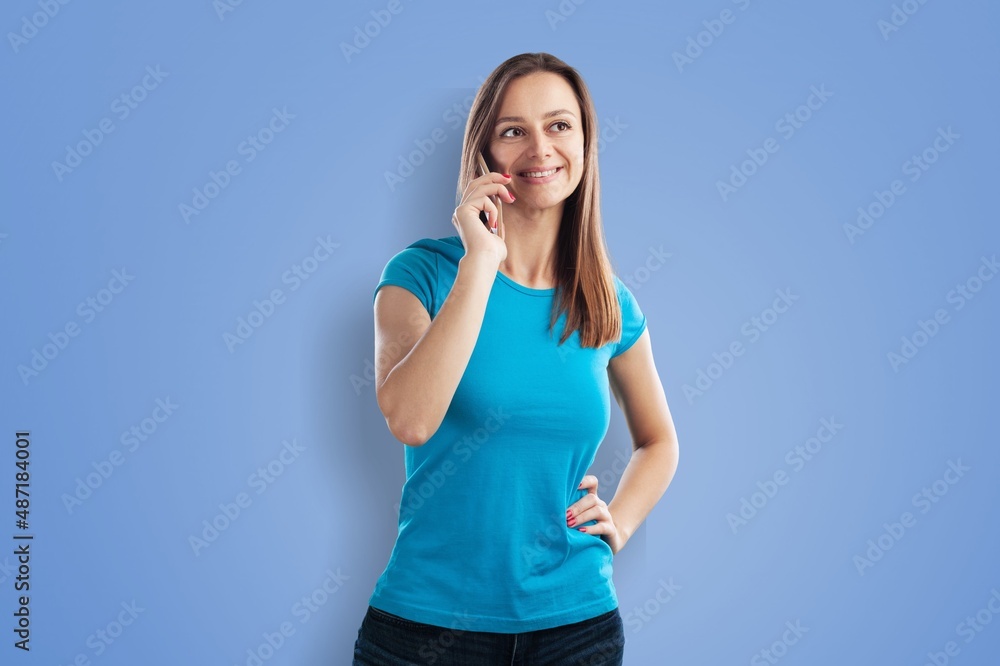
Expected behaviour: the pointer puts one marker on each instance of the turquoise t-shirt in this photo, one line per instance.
(483, 543)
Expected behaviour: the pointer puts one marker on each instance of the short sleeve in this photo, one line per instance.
(633, 320)
(414, 269)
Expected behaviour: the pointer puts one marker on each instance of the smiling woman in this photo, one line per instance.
(496, 356)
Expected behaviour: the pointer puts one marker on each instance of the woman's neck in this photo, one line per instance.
(531, 247)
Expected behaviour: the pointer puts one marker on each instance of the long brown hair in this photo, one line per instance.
(585, 285)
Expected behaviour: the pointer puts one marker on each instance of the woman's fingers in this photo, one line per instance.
(477, 203)
(490, 208)
(478, 195)
(471, 209)
(494, 184)
(504, 191)
(587, 508)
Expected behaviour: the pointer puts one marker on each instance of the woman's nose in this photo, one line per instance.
(541, 148)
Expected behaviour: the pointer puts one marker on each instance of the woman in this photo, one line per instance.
(495, 354)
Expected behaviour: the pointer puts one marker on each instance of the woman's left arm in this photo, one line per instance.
(636, 386)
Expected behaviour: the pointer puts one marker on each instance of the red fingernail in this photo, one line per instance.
(571, 522)
(506, 175)
(582, 529)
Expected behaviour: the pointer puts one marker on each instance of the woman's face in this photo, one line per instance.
(527, 139)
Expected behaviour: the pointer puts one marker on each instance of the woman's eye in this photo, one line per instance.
(566, 126)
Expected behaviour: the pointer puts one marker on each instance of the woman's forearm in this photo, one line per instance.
(416, 394)
(645, 479)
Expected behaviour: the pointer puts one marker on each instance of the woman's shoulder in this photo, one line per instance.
(629, 303)
(624, 293)
(424, 267)
(431, 262)
(449, 247)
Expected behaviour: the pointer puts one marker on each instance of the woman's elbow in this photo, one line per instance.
(407, 435)
(403, 427)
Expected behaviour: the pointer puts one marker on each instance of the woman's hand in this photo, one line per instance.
(475, 236)
(591, 507)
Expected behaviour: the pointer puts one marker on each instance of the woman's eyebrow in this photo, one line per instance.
(519, 119)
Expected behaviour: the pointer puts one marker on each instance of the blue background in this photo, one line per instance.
(672, 134)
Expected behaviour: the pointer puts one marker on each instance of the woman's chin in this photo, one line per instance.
(533, 206)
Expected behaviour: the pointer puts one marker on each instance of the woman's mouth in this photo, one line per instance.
(536, 177)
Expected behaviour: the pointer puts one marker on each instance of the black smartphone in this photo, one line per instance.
(482, 170)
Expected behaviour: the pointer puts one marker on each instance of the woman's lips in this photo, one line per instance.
(543, 179)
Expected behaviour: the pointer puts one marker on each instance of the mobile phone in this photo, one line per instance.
(481, 170)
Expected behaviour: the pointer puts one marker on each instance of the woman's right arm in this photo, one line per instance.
(419, 362)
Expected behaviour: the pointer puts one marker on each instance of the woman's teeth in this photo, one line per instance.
(539, 174)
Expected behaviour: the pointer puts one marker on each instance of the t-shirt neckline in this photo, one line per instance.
(525, 289)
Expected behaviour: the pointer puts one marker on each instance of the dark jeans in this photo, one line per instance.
(385, 639)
